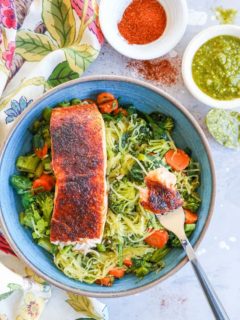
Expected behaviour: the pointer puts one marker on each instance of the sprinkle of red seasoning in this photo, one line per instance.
(162, 71)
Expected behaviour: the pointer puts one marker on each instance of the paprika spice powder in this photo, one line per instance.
(143, 21)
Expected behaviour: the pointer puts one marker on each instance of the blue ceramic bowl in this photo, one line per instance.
(145, 97)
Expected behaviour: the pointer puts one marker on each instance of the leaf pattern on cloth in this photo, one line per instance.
(61, 74)
(59, 21)
(12, 287)
(80, 56)
(33, 46)
(84, 305)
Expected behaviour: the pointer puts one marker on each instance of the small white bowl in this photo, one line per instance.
(110, 14)
(188, 56)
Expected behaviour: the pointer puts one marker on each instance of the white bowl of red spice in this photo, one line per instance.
(143, 29)
(211, 66)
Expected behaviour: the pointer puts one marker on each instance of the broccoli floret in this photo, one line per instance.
(20, 183)
(31, 216)
(174, 241)
(158, 254)
(37, 215)
(165, 122)
(46, 114)
(27, 199)
(44, 200)
(192, 202)
(75, 101)
(151, 261)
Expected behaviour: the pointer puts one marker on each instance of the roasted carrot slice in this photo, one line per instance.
(106, 281)
(43, 183)
(109, 106)
(104, 97)
(128, 262)
(190, 217)
(117, 272)
(177, 159)
(41, 153)
(158, 239)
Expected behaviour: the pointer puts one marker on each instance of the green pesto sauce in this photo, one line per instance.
(225, 16)
(216, 67)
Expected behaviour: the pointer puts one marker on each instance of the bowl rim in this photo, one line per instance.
(203, 138)
(197, 41)
(152, 54)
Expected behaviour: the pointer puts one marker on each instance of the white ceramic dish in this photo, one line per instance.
(111, 11)
(188, 56)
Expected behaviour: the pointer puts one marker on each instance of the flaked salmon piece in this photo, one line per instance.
(79, 165)
(161, 194)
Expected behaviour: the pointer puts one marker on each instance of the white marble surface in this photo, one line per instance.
(180, 297)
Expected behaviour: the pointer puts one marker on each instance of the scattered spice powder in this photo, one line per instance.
(143, 21)
(163, 71)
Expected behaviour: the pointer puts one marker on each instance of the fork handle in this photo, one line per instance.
(214, 302)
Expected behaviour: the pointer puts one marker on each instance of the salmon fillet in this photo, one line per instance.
(79, 165)
(161, 195)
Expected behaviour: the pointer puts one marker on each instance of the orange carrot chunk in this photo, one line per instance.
(128, 262)
(158, 239)
(177, 159)
(41, 153)
(190, 217)
(109, 106)
(44, 183)
(104, 97)
(117, 272)
(106, 281)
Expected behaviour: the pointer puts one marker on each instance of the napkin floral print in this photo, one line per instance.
(8, 25)
(56, 42)
(52, 42)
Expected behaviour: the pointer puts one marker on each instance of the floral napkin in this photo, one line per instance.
(43, 43)
(55, 42)
(25, 296)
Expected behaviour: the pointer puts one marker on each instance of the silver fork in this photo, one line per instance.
(174, 221)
